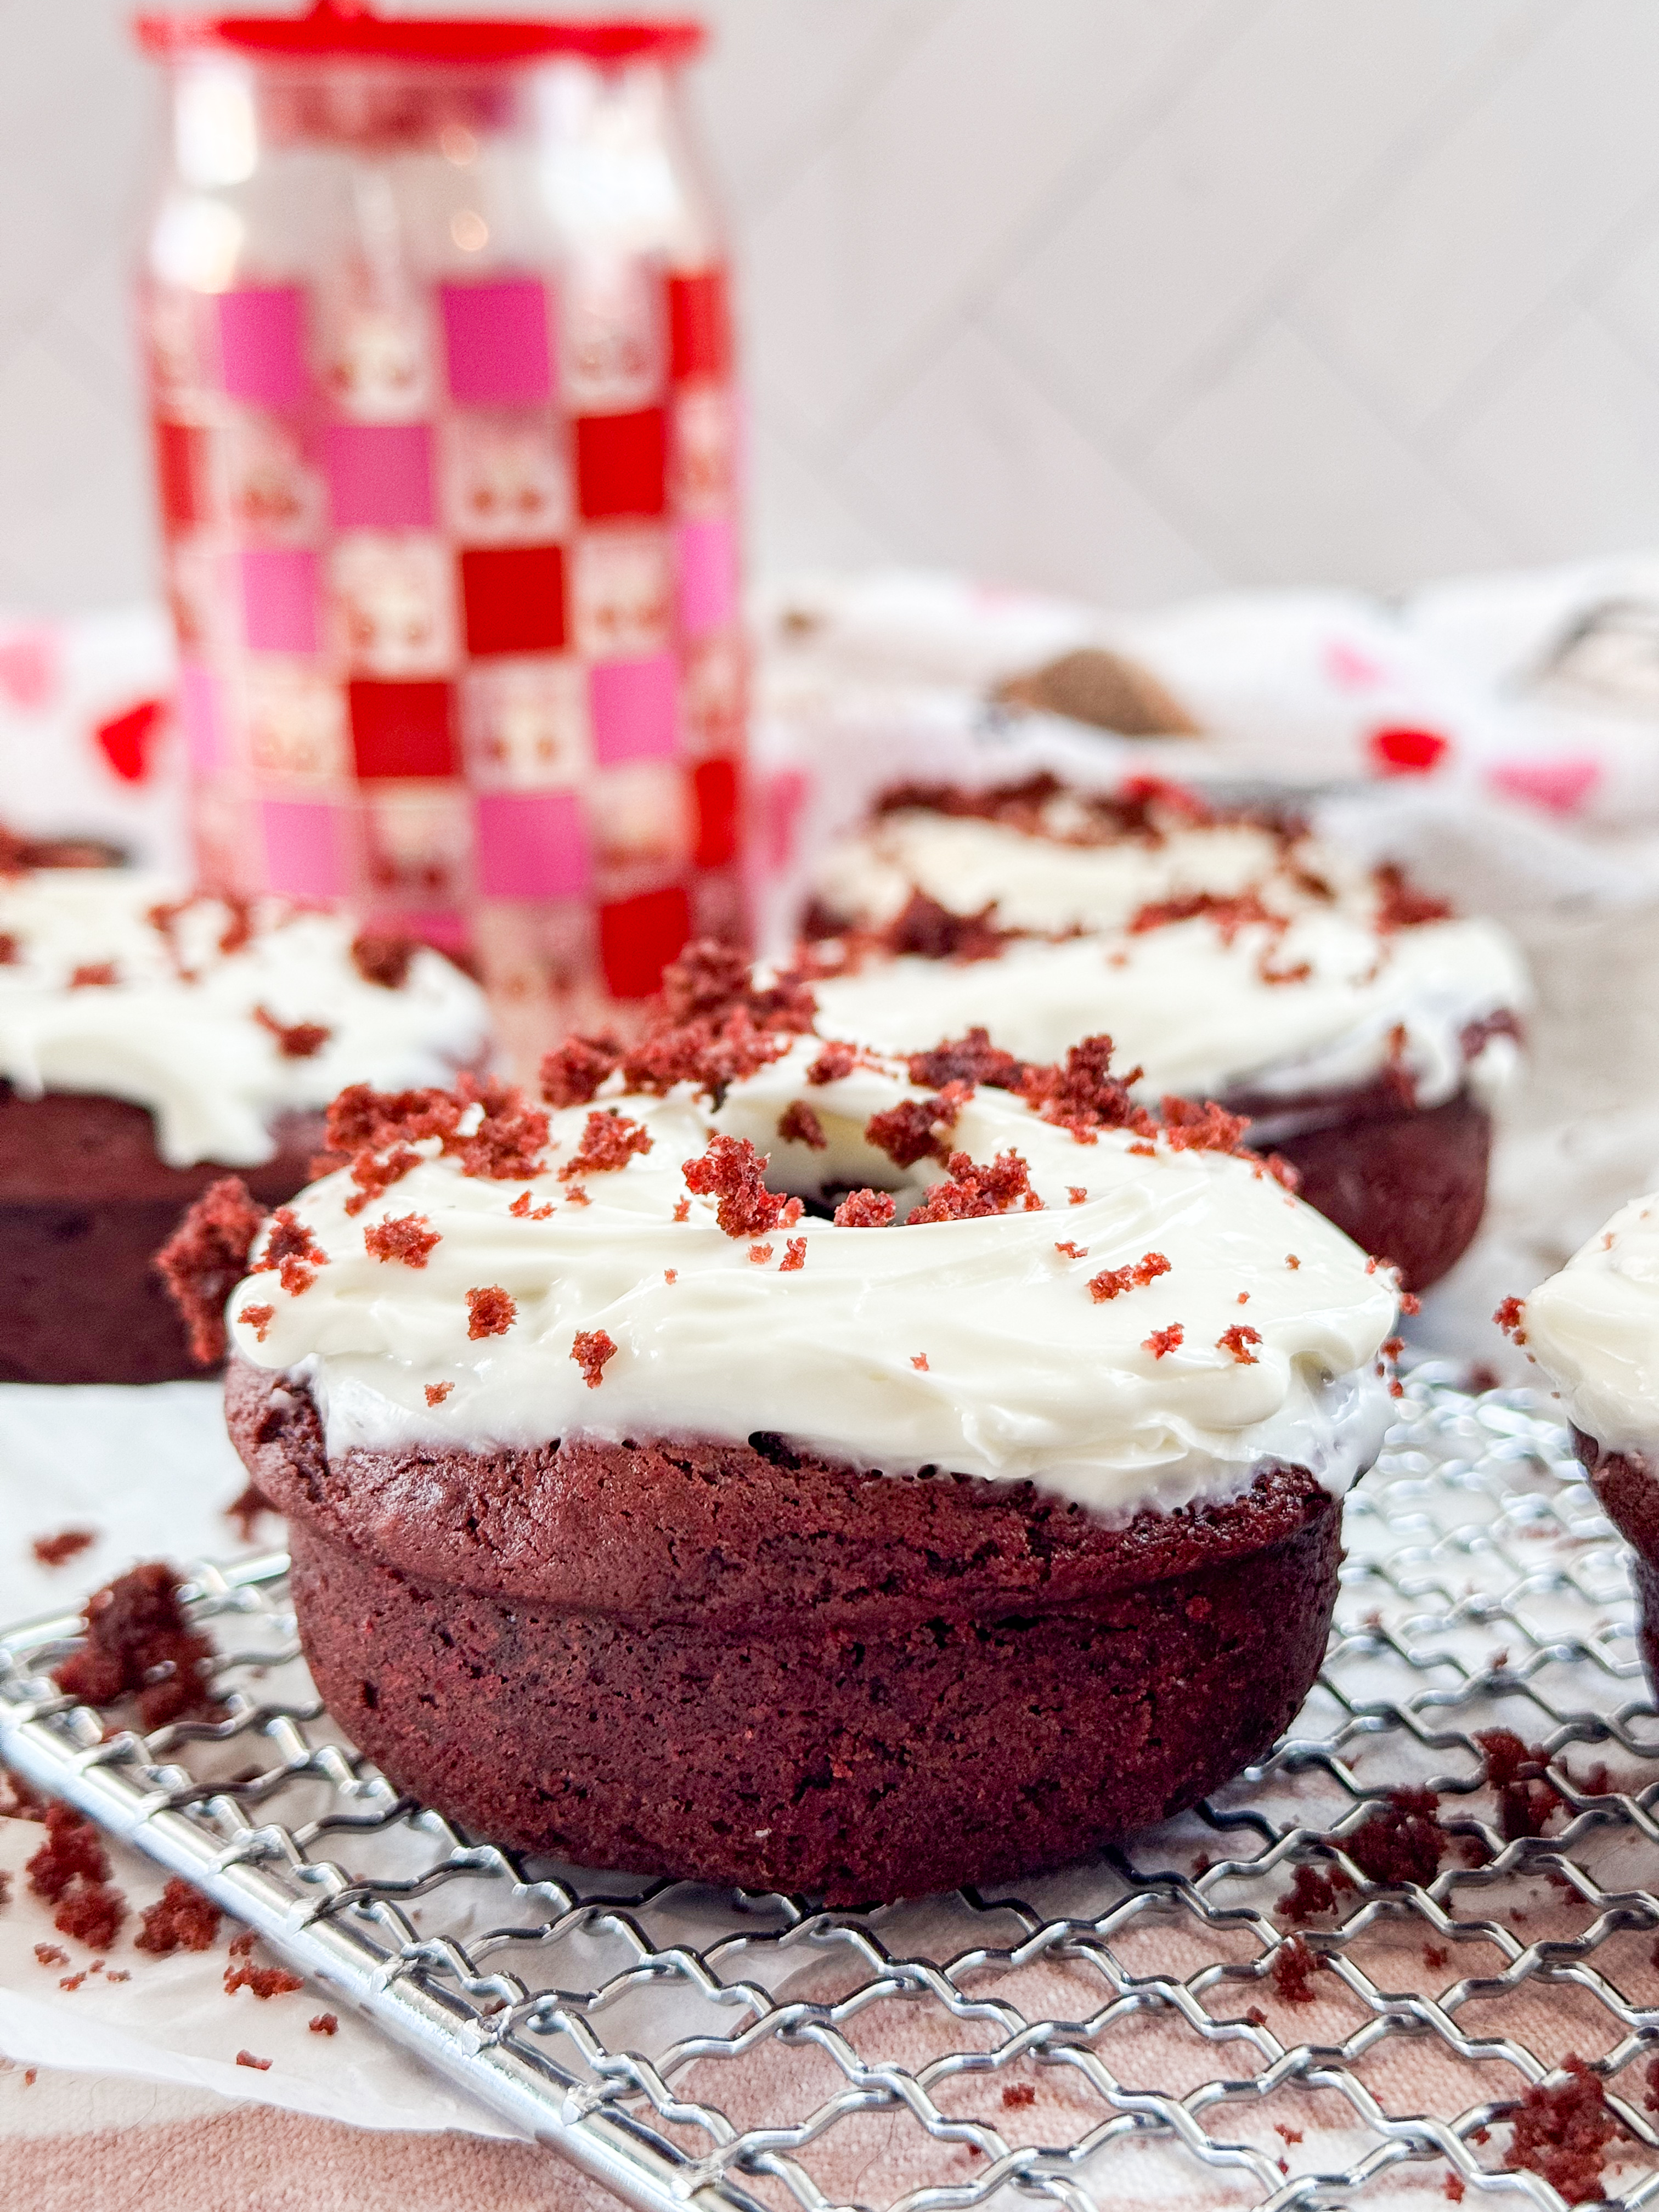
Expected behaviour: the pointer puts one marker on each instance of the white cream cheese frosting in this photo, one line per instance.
(1044, 883)
(1321, 995)
(1251, 1332)
(1594, 1329)
(181, 1006)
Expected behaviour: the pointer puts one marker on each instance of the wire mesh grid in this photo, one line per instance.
(1230, 2012)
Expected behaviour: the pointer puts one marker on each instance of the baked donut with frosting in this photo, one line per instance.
(1363, 1028)
(149, 1042)
(774, 1462)
(1594, 1330)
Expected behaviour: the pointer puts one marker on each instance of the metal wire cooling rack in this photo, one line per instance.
(1121, 2034)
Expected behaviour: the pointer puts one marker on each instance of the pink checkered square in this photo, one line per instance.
(279, 599)
(308, 848)
(202, 719)
(379, 475)
(708, 577)
(262, 355)
(497, 342)
(533, 845)
(633, 710)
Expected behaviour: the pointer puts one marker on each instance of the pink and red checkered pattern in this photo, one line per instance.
(457, 599)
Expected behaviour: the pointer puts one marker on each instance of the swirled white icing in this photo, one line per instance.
(1594, 1329)
(176, 1027)
(1321, 998)
(973, 1345)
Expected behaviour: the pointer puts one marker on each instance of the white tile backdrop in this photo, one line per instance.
(1126, 297)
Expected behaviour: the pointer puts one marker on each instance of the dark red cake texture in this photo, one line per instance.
(1627, 1484)
(747, 1664)
(86, 1202)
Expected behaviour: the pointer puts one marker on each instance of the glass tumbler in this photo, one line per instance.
(445, 432)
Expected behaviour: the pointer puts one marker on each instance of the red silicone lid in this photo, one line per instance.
(336, 29)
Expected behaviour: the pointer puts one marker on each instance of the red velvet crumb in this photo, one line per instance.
(1190, 1125)
(1112, 1282)
(94, 974)
(710, 980)
(916, 1129)
(505, 1145)
(53, 1550)
(972, 1059)
(409, 1239)
(73, 1851)
(1162, 1341)
(91, 1913)
(135, 1631)
(489, 1312)
(292, 1250)
(1077, 1192)
(1230, 914)
(795, 1256)
(264, 1981)
(1400, 906)
(1401, 1841)
(437, 1392)
(589, 1350)
(572, 1075)
(1314, 1891)
(799, 1125)
(608, 1142)
(259, 1319)
(760, 1254)
(1562, 2133)
(1291, 1262)
(932, 931)
(834, 1062)
(382, 959)
(1454, 2187)
(1508, 1317)
(238, 929)
(1084, 1096)
(1515, 1773)
(247, 2059)
(294, 1039)
(1293, 1970)
(1237, 1340)
(324, 2023)
(682, 1209)
(181, 1919)
(1003, 1187)
(205, 1258)
(732, 1171)
(918, 1361)
(865, 1209)
(50, 1954)
(508, 1144)
(1018, 2095)
(1073, 1251)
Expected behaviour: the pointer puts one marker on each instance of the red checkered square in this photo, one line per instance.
(402, 730)
(699, 325)
(639, 936)
(717, 789)
(622, 464)
(513, 597)
(183, 467)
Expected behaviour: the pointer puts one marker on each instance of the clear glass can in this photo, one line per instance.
(438, 325)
